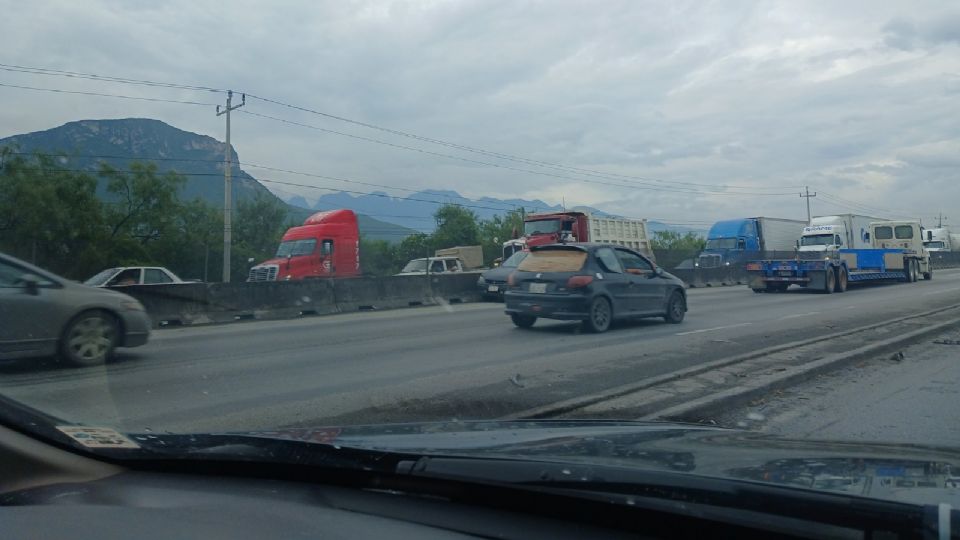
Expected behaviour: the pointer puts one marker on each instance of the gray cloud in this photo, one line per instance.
(850, 97)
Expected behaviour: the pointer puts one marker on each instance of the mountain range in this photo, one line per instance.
(84, 144)
(415, 211)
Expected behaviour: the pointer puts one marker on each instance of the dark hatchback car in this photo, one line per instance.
(493, 282)
(593, 283)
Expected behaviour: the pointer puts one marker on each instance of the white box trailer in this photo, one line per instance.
(777, 234)
(631, 233)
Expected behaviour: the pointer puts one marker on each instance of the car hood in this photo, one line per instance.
(499, 273)
(906, 473)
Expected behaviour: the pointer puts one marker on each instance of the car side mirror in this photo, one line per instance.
(658, 272)
(31, 285)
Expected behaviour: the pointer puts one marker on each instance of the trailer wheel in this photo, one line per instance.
(830, 283)
(842, 280)
(908, 270)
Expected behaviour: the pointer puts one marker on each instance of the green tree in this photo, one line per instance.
(378, 258)
(495, 231)
(193, 249)
(414, 246)
(258, 226)
(456, 226)
(49, 215)
(142, 207)
(672, 240)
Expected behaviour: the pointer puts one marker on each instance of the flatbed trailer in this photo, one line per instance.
(834, 271)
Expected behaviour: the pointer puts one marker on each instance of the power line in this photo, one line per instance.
(865, 207)
(103, 78)
(636, 184)
(101, 94)
(499, 155)
(507, 206)
(285, 183)
(144, 82)
(632, 185)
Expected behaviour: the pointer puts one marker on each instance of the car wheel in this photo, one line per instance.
(599, 315)
(89, 339)
(676, 309)
(523, 321)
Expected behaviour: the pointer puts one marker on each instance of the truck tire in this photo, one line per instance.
(914, 270)
(829, 281)
(928, 275)
(908, 270)
(842, 280)
(523, 321)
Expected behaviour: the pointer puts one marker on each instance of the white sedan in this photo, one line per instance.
(133, 275)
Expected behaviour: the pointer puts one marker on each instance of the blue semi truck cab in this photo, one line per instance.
(732, 242)
(898, 254)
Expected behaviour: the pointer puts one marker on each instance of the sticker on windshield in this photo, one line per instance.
(97, 437)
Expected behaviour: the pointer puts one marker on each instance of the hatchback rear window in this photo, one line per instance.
(554, 260)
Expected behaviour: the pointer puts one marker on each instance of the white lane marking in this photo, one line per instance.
(712, 329)
(941, 291)
(798, 315)
(851, 307)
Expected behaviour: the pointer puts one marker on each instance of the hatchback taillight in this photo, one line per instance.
(576, 282)
(510, 279)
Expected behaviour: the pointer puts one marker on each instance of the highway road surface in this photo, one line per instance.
(434, 363)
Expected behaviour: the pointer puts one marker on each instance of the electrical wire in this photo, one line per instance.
(101, 94)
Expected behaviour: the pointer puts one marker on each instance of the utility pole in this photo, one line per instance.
(940, 220)
(228, 185)
(807, 196)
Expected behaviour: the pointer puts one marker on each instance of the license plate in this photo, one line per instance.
(493, 288)
(786, 273)
(538, 287)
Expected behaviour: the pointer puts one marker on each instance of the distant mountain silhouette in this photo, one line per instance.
(118, 142)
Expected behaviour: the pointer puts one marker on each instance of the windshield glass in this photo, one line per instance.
(296, 248)
(315, 215)
(418, 265)
(883, 233)
(101, 277)
(515, 259)
(817, 240)
(542, 226)
(553, 260)
(721, 243)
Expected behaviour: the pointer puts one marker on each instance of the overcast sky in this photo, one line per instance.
(858, 99)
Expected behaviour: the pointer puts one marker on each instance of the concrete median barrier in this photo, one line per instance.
(204, 303)
(170, 303)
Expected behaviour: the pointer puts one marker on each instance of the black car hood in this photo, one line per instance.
(499, 273)
(907, 473)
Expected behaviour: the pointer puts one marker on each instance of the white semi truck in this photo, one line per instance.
(830, 233)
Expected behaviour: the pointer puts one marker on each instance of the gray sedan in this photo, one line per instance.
(42, 314)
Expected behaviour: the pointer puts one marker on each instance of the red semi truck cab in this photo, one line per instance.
(326, 245)
(540, 229)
